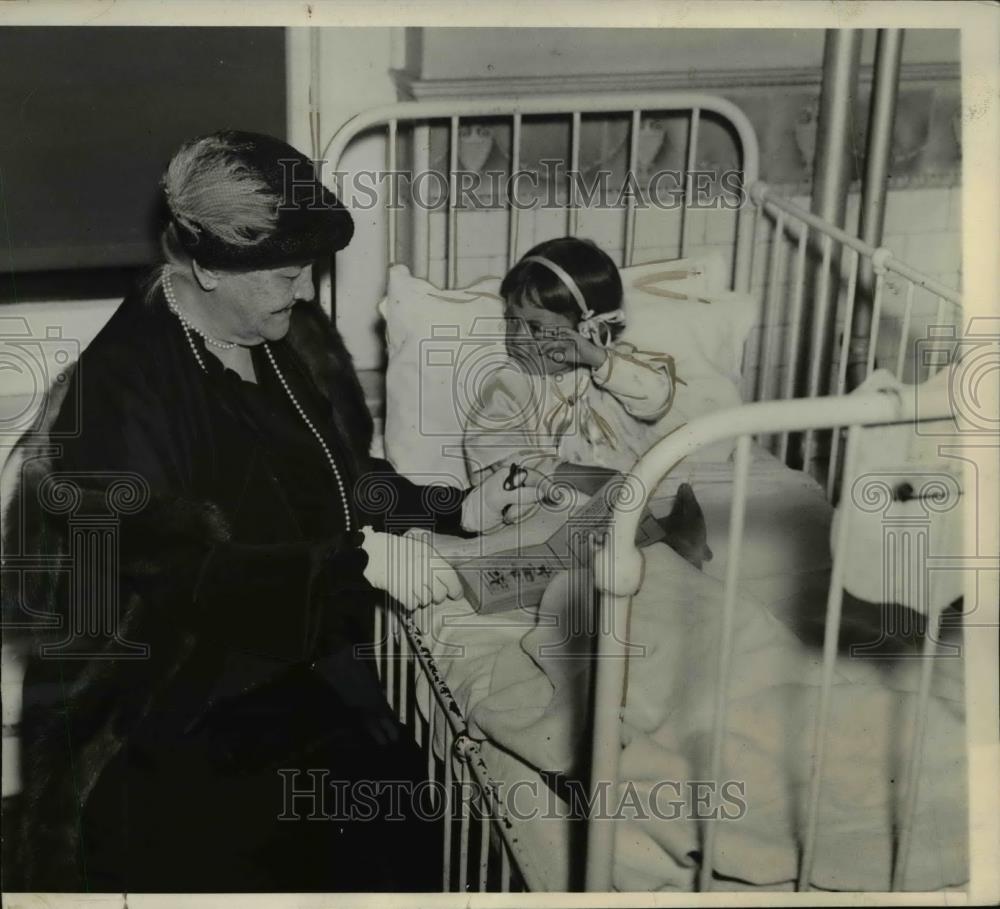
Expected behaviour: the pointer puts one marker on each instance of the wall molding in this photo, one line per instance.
(411, 86)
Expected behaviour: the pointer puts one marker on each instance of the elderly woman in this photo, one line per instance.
(207, 742)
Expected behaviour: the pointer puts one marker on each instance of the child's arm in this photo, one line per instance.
(644, 382)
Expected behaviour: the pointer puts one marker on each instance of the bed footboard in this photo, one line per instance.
(619, 573)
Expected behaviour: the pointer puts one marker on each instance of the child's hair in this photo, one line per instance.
(533, 284)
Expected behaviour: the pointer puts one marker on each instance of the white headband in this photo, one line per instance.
(590, 322)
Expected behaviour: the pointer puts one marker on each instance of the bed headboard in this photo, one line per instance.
(804, 277)
(407, 126)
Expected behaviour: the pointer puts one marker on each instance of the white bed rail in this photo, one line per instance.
(805, 255)
(619, 569)
(421, 114)
(484, 852)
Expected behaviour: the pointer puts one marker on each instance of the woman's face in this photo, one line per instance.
(531, 338)
(259, 304)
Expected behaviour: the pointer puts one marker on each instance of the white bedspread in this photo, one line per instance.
(528, 705)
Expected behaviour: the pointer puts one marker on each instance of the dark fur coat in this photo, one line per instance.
(84, 699)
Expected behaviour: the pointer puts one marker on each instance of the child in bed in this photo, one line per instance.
(573, 392)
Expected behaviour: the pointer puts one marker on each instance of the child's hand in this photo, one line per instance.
(565, 346)
(504, 496)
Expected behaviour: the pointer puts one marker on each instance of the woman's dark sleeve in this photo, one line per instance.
(291, 601)
(391, 502)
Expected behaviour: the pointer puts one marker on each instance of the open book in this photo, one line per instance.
(517, 578)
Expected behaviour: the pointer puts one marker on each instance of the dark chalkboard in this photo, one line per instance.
(89, 118)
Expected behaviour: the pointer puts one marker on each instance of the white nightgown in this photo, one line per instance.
(607, 417)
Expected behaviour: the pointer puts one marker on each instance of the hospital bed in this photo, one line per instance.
(769, 468)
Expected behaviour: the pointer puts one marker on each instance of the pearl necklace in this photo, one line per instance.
(188, 328)
(168, 292)
(316, 433)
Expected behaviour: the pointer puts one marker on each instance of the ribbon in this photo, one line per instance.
(595, 327)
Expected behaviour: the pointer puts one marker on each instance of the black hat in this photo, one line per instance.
(247, 201)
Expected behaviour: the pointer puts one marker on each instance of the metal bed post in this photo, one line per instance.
(515, 211)
(391, 210)
(794, 337)
(852, 283)
(832, 174)
(885, 91)
(831, 636)
(692, 152)
(421, 215)
(881, 261)
(911, 780)
(623, 573)
(838, 96)
(572, 209)
(724, 664)
(774, 270)
(904, 329)
(628, 252)
(451, 279)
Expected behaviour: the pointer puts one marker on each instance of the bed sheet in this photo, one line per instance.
(536, 701)
(774, 567)
(525, 706)
(786, 521)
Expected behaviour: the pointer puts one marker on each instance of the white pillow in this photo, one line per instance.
(438, 342)
(443, 343)
(695, 320)
(705, 333)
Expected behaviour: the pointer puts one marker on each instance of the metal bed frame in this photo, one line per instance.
(813, 431)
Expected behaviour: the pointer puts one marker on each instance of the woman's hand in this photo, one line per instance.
(408, 569)
(503, 497)
(565, 346)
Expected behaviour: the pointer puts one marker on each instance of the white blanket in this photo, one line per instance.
(529, 703)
